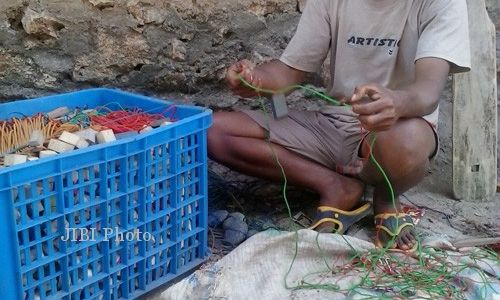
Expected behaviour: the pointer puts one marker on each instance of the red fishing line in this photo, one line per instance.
(124, 121)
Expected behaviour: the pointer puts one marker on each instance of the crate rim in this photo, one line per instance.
(204, 112)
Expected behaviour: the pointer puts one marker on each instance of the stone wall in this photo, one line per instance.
(159, 46)
(50, 46)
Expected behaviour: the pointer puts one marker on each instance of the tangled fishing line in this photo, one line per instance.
(428, 274)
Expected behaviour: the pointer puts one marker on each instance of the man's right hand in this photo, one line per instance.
(246, 70)
(270, 76)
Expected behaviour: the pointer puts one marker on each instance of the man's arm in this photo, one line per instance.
(274, 75)
(422, 97)
(416, 100)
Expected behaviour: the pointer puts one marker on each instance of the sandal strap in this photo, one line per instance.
(357, 211)
(393, 224)
(338, 224)
(340, 218)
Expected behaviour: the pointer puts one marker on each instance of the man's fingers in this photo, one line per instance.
(232, 74)
(242, 70)
(364, 90)
(248, 75)
(369, 108)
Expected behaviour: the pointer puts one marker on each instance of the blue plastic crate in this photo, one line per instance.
(143, 200)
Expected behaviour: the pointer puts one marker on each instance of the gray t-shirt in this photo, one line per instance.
(378, 41)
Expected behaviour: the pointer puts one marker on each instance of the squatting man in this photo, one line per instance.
(390, 60)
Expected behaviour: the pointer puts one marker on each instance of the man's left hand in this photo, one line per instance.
(376, 107)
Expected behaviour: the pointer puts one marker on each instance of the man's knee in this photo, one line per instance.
(406, 148)
(216, 130)
(216, 134)
(234, 124)
(227, 130)
(223, 125)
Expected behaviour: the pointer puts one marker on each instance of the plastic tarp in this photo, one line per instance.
(258, 267)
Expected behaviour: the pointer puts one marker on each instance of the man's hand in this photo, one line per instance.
(376, 106)
(379, 108)
(246, 70)
(269, 76)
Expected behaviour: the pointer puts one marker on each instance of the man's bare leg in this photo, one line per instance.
(238, 142)
(403, 153)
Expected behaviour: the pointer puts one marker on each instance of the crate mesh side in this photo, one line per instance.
(156, 193)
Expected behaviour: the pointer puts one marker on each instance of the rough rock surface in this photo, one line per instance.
(148, 45)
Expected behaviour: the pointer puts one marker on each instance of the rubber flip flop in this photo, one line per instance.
(334, 220)
(392, 224)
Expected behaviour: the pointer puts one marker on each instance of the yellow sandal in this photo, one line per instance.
(335, 220)
(392, 224)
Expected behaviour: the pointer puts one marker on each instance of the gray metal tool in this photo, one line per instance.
(279, 107)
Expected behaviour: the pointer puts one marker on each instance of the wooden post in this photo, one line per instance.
(475, 113)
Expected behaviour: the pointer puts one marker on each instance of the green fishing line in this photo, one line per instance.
(429, 276)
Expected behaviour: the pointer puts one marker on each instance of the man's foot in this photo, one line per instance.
(347, 194)
(338, 211)
(395, 228)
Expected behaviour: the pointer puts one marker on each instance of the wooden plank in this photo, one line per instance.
(475, 113)
(475, 242)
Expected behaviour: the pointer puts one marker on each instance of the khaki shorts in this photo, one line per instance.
(331, 137)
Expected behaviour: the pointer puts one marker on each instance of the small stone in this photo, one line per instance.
(223, 31)
(213, 221)
(40, 23)
(237, 215)
(187, 37)
(101, 4)
(236, 225)
(234, 237)
(177, 50)
(146, 14)
(216, 218)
